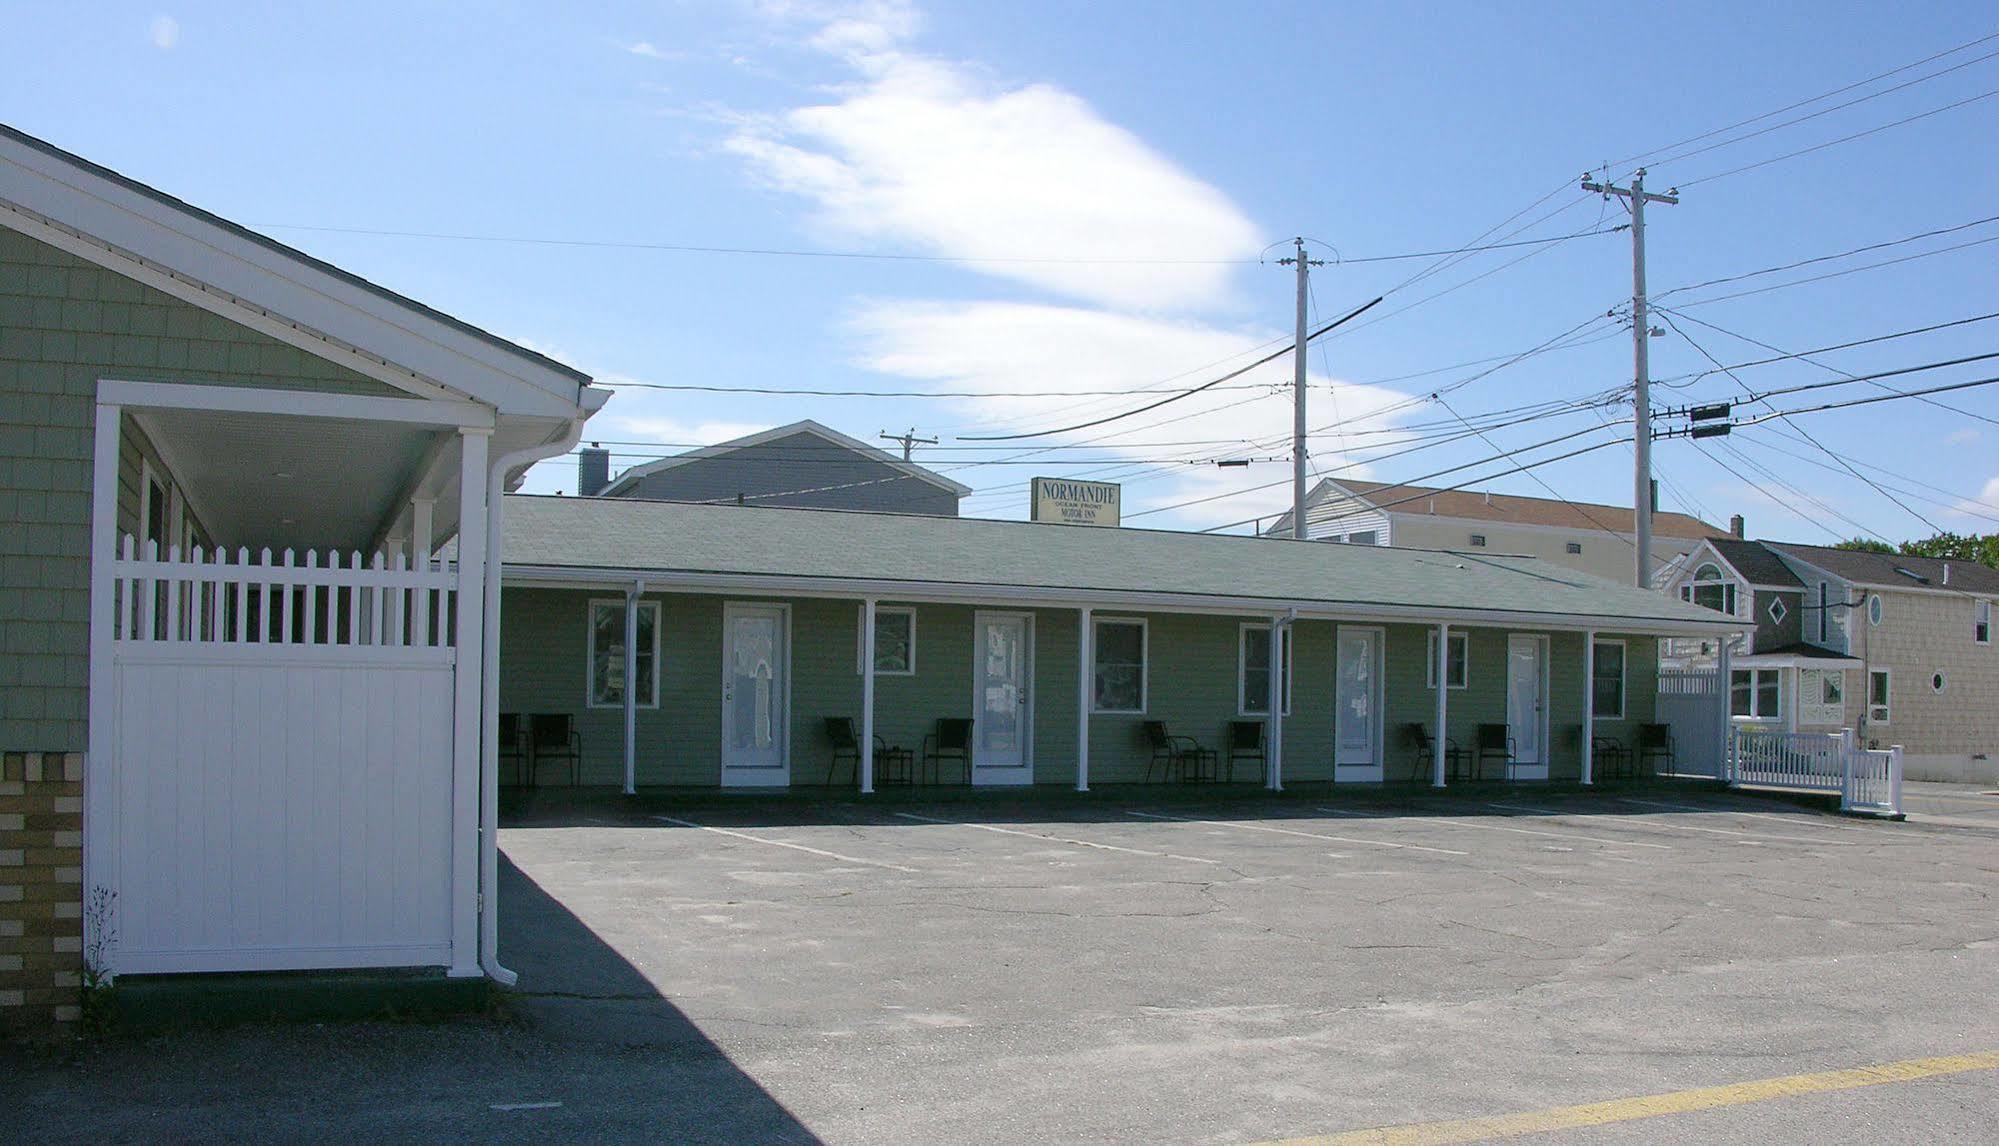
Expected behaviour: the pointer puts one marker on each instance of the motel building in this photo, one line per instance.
(754, 636)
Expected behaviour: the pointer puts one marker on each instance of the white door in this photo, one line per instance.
(1003, 703)
(1357, 707)
(756, 718)
(1526, 705)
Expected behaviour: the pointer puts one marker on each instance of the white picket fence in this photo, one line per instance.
(1865, 780)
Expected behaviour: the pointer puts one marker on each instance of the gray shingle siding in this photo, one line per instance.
(802, 471)
(65, 324)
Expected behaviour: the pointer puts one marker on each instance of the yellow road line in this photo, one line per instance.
(1651, 1106)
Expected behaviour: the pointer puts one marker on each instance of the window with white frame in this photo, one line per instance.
(1117, 663)
(1821, 696)
(1607, 680)
(1777, 610)
(1981, 622)
(1572, 547)
(607, 654)
(895, 641)
(1880, 693)
(1460, 667)
(1478, 540)
(1710, 588)
(1363, 537)
(1253, 670)
(1756, 694)
(1874, 609)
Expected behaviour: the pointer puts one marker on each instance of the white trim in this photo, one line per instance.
(1877, 610)
(1544, 658)
(1981, 614)
(1004, 775)
(1939, 681)
(1623, 679)
(1430, 661)
(1588, 745)
(1144, 664)
(868, 655)
(746, 775)
(1867, 699)
(170, 460)
(1378, 699)
(295, 403)
(1084, 689)
(860, 654)
(775, 433)
(1776, 610)
(468, 683)
(1242, 669)
(1755, 715)
(590, 650)
(100, 834)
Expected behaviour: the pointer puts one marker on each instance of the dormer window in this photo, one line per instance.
(1710, 589)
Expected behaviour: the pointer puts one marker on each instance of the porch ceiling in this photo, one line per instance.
(268, 480)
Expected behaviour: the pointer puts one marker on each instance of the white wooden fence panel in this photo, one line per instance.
(1690, 703)
(1869, 781)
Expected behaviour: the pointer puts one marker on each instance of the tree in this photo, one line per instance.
(1956, 547)
(1866, 545)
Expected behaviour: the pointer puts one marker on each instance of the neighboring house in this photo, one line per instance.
(225, 746)
(1900, 649)
(1597, 539)
(746, 629)
(802, 466)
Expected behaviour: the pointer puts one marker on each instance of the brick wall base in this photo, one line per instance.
(41, 892)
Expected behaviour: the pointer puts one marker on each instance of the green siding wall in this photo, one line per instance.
(65, 324)
(1192, 664)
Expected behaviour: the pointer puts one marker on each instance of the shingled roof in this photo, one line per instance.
(1474, 505)
(1894, 570)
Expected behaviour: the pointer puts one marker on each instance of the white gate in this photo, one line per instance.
(1690, 703)
(1865, 780)
(281, 795)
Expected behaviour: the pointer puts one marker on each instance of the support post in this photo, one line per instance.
(469, 680)
(632, 686)
(1589, 708)
(423, 513)
(1725, 690)
(99, 838)
(1085, 658)
(1298, 412)
(1437, 742)
(1276, 703)
(867, 768)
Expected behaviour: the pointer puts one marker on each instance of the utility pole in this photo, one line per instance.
(1304, 266)
(909, 441)
(1635, 196)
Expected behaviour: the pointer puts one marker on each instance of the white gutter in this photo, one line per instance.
(489, 706)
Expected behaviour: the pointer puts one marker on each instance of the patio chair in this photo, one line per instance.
(1613, 759)
(553, 736)
(513, 745)
(1492, 741)
(1423, 751)
(892, 765)
(1246, 743)
(951, 741)
(1171, 752)
(1654, 742)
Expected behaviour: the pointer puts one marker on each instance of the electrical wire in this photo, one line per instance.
(1985, 95)
(1826, 258)
(1682, 381)
(1840, 273)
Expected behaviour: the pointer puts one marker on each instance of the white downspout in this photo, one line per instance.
(489, 711)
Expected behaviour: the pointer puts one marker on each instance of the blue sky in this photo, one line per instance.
(1090, 186)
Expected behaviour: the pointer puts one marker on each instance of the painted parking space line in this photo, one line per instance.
(1615, 843)
(731, 833)
(1294, 832)
(1652, 822)
(1618, 1110)
(1054, 839)
(1772, 816)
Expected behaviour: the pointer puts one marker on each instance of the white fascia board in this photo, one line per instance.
(1061, 598)
(117, 227)
(294, 403)
(1791, 660)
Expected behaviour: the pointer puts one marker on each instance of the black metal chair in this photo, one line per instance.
(1171, 753)
(1612, 758)
(1492, 741)
(1654, 742)
(951, 741)
(1246, 743)
(1423, 750)
(892, 765)
(553, 736)
(513, 745)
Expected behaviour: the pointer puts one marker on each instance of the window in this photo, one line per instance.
(1364, 537)
(1756, 694)
(1573, 547)
(1822, 696)
(1937, 682)
(607, 654)
(1777, 611)
(1118, 665)
(1253, 671)
(1460, 661)
(1607, 681)
(1874, 609)
(1981, 622)
(1879, 687)
(895, 641)
(1710, 590)
(1478, 540)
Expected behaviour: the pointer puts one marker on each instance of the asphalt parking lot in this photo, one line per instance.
(1140, 968)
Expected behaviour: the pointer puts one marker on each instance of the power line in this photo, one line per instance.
(1951, 501)
(1985, 95)
(1540, 481)
(1684, 380)
(1872, 400)
(1829, 258)
(1840, 273)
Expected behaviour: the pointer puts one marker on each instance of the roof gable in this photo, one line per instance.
(1754, 563)
(631, 477)
(1512, 509)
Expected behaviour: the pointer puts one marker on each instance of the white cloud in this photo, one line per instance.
(165, 32)
(929, 153)
(653, 51)
(1963, 436)
(1984, 505)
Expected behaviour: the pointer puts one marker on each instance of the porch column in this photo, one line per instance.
(1085, 658)
(1724, 764)
(1443, 703)
(632, 686)
(422, 513)
(469, 684)
(1589, 708)
(100, 761)
(867, 696)
(1276, 702)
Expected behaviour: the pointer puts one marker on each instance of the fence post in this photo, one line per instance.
(1895, 779)
(1846, 775)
